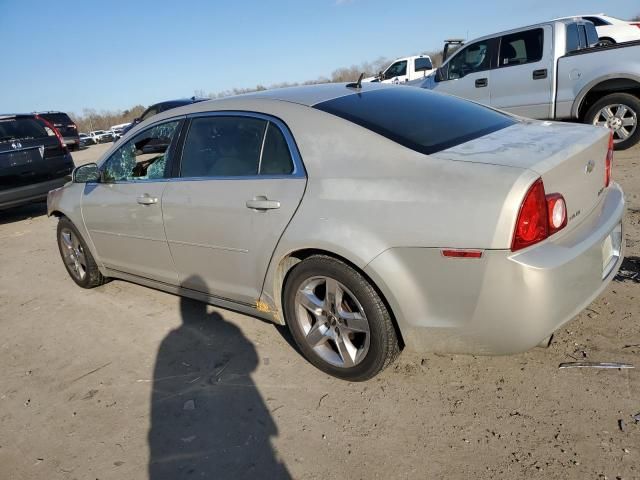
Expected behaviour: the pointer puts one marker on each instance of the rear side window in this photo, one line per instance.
(234, 146)
(413, 117)
(592, 34)
(276, 159)
(57, 118)
(220, 146)
(20, 128)
(573, 40)
(521, 48)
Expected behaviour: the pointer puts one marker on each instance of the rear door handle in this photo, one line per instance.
(146, 199)
(262, 203)
(540, 74)
(482, 82)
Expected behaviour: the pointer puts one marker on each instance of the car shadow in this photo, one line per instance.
(23, 212)
(208, 419)
(629, 270)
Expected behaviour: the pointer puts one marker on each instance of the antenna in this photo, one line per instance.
(358, 84)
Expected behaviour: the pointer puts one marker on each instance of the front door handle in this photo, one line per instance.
(146, 199)
(262, 203)
(540, 74)
(482, 82)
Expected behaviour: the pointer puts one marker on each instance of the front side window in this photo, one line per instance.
(149, 113)
(521, 48)
(474, 58)
(144, 157)
(234, 146)
(395, 70)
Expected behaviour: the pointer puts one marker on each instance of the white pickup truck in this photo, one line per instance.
(553, 70)
(405, 69)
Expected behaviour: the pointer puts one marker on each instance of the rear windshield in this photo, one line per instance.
(57, 118)
(421, 120)
(20, 128)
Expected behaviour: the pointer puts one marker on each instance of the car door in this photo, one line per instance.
(123, 211)
(521, 83)
(467, 74)
(240, 182)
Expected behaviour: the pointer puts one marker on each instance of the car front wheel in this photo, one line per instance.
(338, 320)
(619, 112)
(76, 256)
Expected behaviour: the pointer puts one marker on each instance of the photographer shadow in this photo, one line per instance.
(208, 419)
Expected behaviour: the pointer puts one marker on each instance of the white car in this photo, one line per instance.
(101, 136)
(613, 30)
(404, 70)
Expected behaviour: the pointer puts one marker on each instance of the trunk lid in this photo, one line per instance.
(570, 158)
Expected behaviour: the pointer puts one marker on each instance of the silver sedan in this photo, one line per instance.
(367, 219)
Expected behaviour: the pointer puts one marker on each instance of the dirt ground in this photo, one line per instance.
(124, 382)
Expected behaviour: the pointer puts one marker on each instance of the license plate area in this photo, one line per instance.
(611, 248)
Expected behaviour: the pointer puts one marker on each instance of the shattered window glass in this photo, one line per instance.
(144, 157)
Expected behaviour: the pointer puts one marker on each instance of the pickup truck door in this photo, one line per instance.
(396, 73)
(521, 83)
(467, 74)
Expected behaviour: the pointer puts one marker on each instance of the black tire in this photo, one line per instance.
(92, 277)
(631, 102)
(383, 346)
(607, 41)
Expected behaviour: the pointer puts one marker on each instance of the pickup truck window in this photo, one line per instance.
(395, 70)
(412, 117)
(573, 40)
(423, 64)
(473, 58)
(521, 48)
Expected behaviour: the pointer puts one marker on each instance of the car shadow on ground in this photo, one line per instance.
(23, 212)
(208, 419)
(629, 270)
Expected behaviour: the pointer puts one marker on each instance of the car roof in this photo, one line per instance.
(307, 95)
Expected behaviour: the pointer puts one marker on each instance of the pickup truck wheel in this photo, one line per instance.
(619, 112)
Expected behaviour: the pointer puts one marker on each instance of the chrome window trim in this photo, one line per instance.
(298, 167)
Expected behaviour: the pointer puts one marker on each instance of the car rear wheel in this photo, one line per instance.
(619, 112)
(76, 256)
(338, 320)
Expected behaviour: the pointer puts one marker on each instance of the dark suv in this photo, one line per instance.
(67, 128)
(33, 160)
(161, 107)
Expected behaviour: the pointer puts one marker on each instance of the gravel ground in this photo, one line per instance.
(124, 382)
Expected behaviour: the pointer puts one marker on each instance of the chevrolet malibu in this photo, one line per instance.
(367, 219)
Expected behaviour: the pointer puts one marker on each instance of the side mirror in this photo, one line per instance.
(88, 173)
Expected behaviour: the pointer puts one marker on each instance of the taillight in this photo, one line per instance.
(540, 215)
(636, 25)
(557, 212)
(608, 162)
(55, 131)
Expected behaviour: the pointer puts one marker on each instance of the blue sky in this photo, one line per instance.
(114, 54)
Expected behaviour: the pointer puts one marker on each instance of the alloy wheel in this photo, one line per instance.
(73, 254)
(333, 321)
(621, 119)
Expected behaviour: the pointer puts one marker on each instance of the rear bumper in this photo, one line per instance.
(71, 141)
(30, 193)
(504, 302)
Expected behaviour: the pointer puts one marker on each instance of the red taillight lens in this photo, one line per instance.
(636, 25)
(540, 215)
(557, 212)
(531, 226)
(55, 131)
(608, 162)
